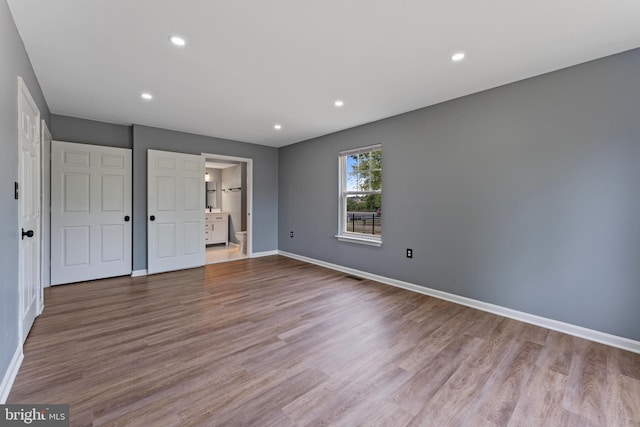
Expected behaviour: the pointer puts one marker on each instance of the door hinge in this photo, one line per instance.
(15, 190)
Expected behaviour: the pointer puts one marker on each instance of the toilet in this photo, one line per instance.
(241, 237)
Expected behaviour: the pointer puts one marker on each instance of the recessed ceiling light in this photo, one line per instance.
(338, 103)
(147, 96)
(277, 126)
(456, 57)
(178, 41)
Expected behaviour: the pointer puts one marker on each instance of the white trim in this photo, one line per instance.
(343, 235)
(567, 328)
(11, 374)
(138, 273)
(264, 253)
(361, 149)
(357, 239)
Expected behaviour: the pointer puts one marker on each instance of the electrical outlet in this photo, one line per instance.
(409, 253)
(291, 234)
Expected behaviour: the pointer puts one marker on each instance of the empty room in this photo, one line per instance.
(285, 213)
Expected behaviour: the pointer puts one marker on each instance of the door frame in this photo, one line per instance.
(249, 163)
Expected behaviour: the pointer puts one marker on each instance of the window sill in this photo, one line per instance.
(358, 239)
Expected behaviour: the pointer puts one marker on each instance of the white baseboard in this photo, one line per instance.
(265, 253)
(10, 376)
(567, 328)
(136, 273)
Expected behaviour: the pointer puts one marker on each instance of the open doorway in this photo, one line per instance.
(228, 201)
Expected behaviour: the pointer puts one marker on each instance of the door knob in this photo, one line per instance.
(28, 233)
(152, 218)
(126, 218)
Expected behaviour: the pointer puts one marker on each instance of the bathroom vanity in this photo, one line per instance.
(216, 228)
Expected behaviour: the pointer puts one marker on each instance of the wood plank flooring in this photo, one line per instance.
(277, 342)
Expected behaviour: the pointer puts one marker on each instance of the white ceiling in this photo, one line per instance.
(250, 64)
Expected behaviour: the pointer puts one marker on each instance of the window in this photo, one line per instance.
(360, 211)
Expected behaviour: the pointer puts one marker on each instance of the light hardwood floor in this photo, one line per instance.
(278, 342)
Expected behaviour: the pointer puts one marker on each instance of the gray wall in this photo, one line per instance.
(72, 129)
(525, 196)
(265, 182)
(15, 62)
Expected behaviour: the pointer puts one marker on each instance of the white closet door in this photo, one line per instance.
(90, 212)
(175, 211)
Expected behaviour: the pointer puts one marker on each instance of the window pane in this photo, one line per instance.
(365, 175)
(376, 160)
(376, 180)
(352, 173)
(364, 214)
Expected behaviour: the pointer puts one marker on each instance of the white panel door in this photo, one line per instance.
(175, 211)
(90, 212)
(45, 220)
(28, 208)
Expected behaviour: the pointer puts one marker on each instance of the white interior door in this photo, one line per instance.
(90, 212)
(175, 211)
(45, 213)
(28, 208)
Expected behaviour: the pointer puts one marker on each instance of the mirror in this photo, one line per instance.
(210, 201)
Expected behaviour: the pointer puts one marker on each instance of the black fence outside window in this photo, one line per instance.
(364, 222)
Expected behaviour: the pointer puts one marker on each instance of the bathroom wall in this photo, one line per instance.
(232, 200)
